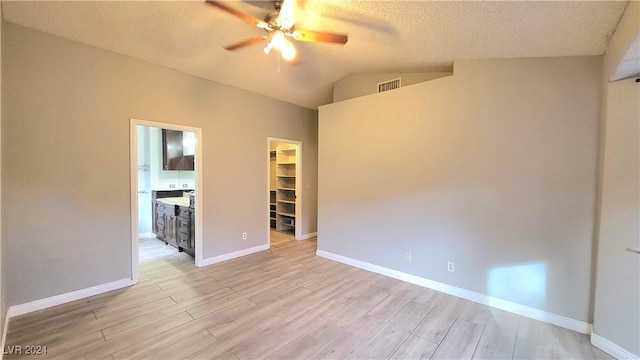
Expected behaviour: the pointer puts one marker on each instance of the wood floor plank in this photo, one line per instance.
(156, 343)
(415, 347)
(259, 288)
(139, 321)
(43, 325)
(390, 306)
(220, 298)
(537, 331)
(126, 310)
(62, 348)
(265, 313)
(316, 318)
(54, 332)
(274, 293)
(460, 342)
(301, 276)
(341, 346)
(239, 338)
(499, 337)
(476, 313)
(526, 349)
(127, 340)
(365, 327)
(436, 325)
(354, 292)
(394, 333)
(300, 347)
(47, 315)
(370, 299)
(198, 291)
(268, 344)
(571, 345)
(299, 308)
(184, 347)
(428, 297)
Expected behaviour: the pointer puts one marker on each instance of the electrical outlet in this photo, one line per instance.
(185, 185)
(172, 186)
(244, 236)
(451, 267)
(407, 256)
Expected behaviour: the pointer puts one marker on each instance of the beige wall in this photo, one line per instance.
(617, 288)
(65, 152)
(493, 168)
(356, 85)
(617, 302)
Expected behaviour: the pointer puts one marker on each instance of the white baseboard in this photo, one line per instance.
(309, 236)
(611, 348)
(233, 255)
(526, 311)
(147, 235)
(4, 332)
(36, 305)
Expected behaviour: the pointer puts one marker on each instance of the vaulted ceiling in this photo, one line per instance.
(384, 36)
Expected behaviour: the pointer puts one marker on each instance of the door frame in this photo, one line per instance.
(133, 161)
(298, 144)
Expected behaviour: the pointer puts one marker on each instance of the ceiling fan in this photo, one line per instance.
(280, 26)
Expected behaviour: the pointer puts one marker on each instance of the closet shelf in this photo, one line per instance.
(286, 214)
(286, 176)
(287, 201)
(287, 189)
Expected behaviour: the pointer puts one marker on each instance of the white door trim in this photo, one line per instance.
(298, 234)
(133, 162)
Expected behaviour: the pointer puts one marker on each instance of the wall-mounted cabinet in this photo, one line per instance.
(178, 150)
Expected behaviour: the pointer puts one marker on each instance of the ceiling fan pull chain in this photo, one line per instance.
(278, 60)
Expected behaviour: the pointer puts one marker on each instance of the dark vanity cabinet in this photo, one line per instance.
(184, 230)
(166, 223)
(158, 219)
(176, 155)
(159, 194)
(175, 225)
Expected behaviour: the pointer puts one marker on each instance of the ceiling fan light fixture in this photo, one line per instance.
(288, 51)
(278, 40)
(280, 26)
(267, 49)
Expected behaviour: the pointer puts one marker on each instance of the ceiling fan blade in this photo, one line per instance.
(248, 42)
(287, 14)
(239, 14)
(319, 36)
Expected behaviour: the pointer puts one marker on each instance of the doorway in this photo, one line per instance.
(284, 189)
(183, 194)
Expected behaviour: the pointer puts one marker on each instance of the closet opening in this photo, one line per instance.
(285, 190)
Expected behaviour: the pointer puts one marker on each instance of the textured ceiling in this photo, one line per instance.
(384, 36)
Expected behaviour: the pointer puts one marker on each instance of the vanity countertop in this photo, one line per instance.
(180, 201)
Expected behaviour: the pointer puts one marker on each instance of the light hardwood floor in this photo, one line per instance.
(284, 303)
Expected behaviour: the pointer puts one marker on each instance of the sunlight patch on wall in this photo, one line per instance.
(524, 284)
